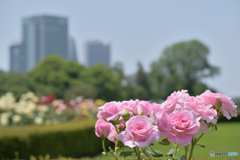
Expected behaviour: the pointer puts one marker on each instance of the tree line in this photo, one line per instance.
(180, 66)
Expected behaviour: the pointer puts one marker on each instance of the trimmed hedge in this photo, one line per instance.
(73, 139)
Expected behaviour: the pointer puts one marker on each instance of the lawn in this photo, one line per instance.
(225, 139)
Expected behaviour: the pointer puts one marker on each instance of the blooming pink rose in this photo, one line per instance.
(109, 112)
(102, 128)
(163, 123)
(176, 100)
(156, 107)
(112, 135)
(142, 107)
(183, 127)
(139, 132)
(127, 105)
(206, 112)
(228, 107)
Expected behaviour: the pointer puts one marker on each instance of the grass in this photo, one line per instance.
(225, 139)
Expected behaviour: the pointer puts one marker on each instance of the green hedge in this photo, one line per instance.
(75, 139)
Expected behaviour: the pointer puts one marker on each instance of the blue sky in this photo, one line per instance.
(140, 30)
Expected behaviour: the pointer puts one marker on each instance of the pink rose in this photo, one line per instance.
(176, 100)
(127, 105)
(156, 107)
(112, 135)
(142, 107)
(228, 107)
(163, 123)
(183, 127)
(206, 112)
(102, 128)
(139, 132)
(109, 112)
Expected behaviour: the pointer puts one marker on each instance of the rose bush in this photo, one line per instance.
(181, 119)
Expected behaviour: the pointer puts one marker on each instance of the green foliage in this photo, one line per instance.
(142, 90)
(181, 66)
(170, 152)
(106, 84)
(165, 142)
(54, 75)
(15, 83)
(80, 89)
(67, 139)
(153, 152)
(126, 153)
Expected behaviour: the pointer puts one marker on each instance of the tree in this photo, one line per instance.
(16, 83)
(80, 89)
(142, 90)
(181, 66)
(54, 75)
(106, 84)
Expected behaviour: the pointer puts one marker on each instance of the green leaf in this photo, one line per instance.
(165, 142)
(201, 145)
(170, 152)
(182, 157)
(152, 144)
(179, 158)
(126, 153)
(154, 153)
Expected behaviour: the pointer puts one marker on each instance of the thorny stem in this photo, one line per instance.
(186, 150)
(104, 149)
(199, 137)
(139, 157)
(193, 144)
(175, 152)
(136, 152)
(192, 147)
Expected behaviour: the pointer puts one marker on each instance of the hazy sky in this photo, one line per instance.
(139, 30)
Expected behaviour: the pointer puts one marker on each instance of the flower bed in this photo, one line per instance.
(48, 110)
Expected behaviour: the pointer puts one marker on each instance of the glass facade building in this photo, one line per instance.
(16, 58)
(97, 52)
(43, 35)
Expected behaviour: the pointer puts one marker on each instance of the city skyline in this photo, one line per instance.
(42, 35)
(140, 31)
(96, 52)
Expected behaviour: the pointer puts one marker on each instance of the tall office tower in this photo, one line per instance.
(97, 52)
(72, 52)
(44, 35)
(16, 58)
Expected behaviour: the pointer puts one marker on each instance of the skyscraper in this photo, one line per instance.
(16, 58)
(44, 35)
(72, 53)
(97, 52)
